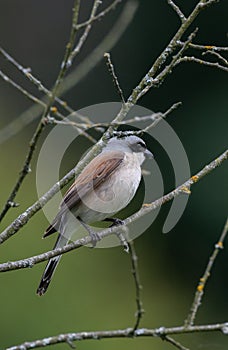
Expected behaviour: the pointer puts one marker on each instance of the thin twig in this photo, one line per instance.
(218, 55)
(84, 36)
(21, 89)
(79, 73)
(113, 75)
(24, 171)
(203, 280)
(32, 145)
(177, 10)
(202, 62)
(150, 79)
(149, 82)
(23, 218)
(204, 47)
(120, 333)
(159, 116)
(30, 97)
(28, 74)
(138, 286)
(65, 64)
(100, 15)
(174, 342)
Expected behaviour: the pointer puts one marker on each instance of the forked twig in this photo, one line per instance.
(114, 76)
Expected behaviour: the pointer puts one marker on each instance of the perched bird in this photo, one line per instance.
(104, 187)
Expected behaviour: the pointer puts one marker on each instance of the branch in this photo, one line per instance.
(121, 333)
(32, 145)
(79, 73)
(133, 98)
(100, 15)
(203, 280)
(28, 74)
(150, 78)
(174, 342)
(159, 116)
(21, 89)
(113, 75)
(218, 55)
(199, 61)
(177, 10)
(204, 47)
(77, 49)
(138, 287)
(146, 208)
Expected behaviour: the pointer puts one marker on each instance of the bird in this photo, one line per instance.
(104, 187)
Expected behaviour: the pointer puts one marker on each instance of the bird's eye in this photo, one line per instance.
(142, 144)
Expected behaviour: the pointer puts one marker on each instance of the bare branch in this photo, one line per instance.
(146, 208)
(79, 73)
(203, 280)
(158, 80)
(177, 10)
(100, 15)
(159, 116)
(150, 78)
(218, 55)
(23, 91)
(65, 62)
(204, 47)
(120, 333)
(113, 75)
(28, 74)
(24, 218)
(174, 342)
(32, 145)
(138, 287)
(199, 61)
(83, 38)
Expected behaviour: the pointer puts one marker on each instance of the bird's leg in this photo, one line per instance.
(94, 236)
(120, 236)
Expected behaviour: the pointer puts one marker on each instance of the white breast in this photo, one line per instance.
(116, 192)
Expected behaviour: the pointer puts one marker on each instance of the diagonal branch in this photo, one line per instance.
(79, 73)
(202, 283)
(120, 333)
(146, 208)
(114, 76)
(100, 15)
(40, 86)
(177, 10)
(32, 145)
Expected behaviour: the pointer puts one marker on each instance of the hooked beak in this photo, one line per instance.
(148, 154)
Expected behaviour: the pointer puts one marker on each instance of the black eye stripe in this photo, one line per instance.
(141, 144)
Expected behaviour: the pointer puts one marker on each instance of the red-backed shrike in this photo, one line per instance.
(105, 186)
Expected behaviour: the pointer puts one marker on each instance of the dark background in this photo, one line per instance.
(93, 289)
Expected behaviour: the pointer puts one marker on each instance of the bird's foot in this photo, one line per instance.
(115, 221)
(94, 238)
(93, 235)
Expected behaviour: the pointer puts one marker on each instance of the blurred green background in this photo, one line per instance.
(93, 289)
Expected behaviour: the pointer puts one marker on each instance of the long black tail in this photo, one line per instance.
(47, 275)
(51, 266)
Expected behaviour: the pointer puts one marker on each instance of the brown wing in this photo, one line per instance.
(97, 171)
